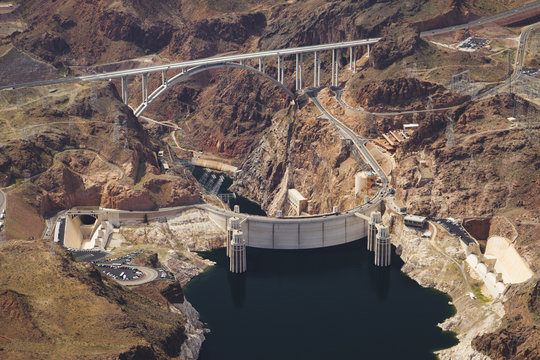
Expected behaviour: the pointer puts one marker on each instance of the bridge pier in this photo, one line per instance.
(125, 97)
(262, 65)
(316, 69)
(164, 78)
(352, 59)
(335, 67)
(279, 71)
(368, 50)
(299, 70)
(144, 87)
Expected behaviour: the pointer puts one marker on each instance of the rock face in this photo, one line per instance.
(398, 42)
(477, 165)
(470, 166)
(84, 147)
(300, 152)
(403, 93)
(519, 336)
(232, 113)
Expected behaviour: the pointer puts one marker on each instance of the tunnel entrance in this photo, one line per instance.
(87, 220)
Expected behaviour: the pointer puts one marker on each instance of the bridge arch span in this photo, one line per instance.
(196, 70)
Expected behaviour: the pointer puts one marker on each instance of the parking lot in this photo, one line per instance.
(120, 272)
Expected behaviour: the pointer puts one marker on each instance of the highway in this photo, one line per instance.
(200, 62)
(358, 141)
(521, 9)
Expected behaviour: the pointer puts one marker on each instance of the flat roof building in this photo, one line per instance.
(414, 220)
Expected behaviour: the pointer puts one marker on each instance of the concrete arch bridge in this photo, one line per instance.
(189, 68)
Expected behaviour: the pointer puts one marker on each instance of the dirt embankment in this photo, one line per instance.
(46, 321)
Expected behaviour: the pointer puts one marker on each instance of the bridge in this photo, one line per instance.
(255, 62)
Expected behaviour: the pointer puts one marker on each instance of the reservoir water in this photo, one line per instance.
(330, 303)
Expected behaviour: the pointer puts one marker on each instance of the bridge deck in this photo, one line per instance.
(199, 62)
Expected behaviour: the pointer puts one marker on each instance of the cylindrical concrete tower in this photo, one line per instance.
(238, 253)
(382, 246)
(232, 225)
(372, 230)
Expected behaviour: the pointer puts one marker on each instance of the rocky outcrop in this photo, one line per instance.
(173, 293)
(84, 147)
(299, 151)
(194, 331)
(397, 43)
(519, 336)
(403, 93)
(222, 33)
(17, 317)
(474, 169)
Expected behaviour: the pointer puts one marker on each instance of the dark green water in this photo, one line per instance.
(330, 303)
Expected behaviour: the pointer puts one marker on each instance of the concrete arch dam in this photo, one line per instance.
(297, 232)
(258, 231)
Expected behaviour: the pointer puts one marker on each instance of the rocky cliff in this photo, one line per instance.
(474, 163)
(81, 146)
(303, 152)
(402, 94)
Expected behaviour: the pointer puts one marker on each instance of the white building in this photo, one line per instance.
(298, 202)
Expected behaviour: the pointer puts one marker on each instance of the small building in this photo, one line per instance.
(410, 126)
(298, 202)
(415, 221)
(400, 206)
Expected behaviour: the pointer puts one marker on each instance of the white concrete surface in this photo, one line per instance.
(509, 263)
